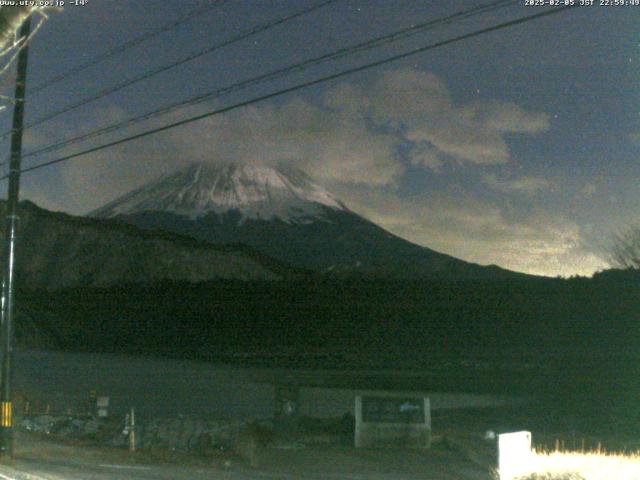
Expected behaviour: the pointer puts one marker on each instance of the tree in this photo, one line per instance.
(625, 250)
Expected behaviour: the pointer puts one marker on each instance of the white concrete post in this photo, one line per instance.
(514, 455)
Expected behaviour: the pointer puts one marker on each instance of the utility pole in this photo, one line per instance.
(6, 320)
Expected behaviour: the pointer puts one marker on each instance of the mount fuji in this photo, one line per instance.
(255, 193)
(281, 212)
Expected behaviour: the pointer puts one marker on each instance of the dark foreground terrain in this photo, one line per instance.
(59, 383)
(570, 345)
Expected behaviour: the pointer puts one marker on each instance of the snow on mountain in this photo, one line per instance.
(282, 214)
(256, 192)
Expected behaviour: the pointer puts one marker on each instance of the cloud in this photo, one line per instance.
(589, 189)
(331, 145)
(352, 134)
(420, 105)
(527, 185)
(507, 117)
(477, 231)
(634, 138)
(425, 154)
(88, 182)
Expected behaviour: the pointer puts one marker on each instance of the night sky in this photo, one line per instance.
(517, 148)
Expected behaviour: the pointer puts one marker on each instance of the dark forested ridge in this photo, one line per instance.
(208, 319)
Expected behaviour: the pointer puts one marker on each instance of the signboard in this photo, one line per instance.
(392, 420)
(102, 407)
(392, 410)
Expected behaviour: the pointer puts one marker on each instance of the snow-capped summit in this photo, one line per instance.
(256, 192)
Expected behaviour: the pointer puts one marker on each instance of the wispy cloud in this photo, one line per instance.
(589, 189)
(634, 138)
(353, 133)
(421, 106)
(527, 185)
(476, 230)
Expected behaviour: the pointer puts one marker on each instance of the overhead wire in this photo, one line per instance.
(128, 45)
(303, 85)
(164, 68)
(278, 73)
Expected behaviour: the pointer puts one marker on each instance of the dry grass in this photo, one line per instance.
(583, 466)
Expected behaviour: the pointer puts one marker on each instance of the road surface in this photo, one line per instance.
(45, 460)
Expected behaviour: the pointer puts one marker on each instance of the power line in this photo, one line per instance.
(300, 86)
(145, 76)
(128, 45)
(340, 53)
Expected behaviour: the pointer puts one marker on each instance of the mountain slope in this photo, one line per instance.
(283, 214)
(57, 250)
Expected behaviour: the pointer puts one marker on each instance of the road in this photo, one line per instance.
(325, 463)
